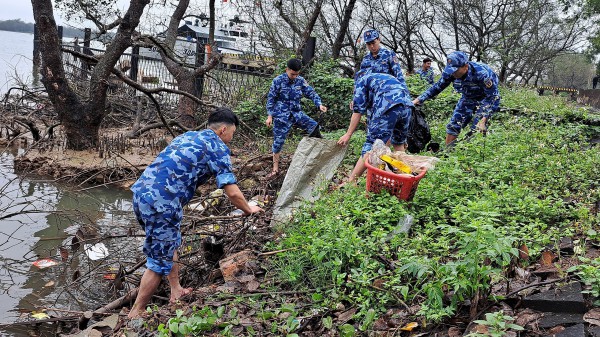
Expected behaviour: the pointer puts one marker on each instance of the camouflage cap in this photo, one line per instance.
(370, 35)
(456, 60)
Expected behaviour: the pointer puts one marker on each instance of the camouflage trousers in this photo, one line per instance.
(283, 124)
(467, 111)
(163, 235)
(392, 124)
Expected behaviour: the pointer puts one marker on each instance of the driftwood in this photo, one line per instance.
(45, 320)
(84, 319)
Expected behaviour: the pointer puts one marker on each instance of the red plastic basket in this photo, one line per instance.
(402, 186)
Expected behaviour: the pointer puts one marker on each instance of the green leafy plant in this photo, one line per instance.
(199, 321)
(529, 178)
(497, 324)
(589, 273)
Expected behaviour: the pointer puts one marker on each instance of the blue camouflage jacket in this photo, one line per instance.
(480, 83)
(426, 75)
(285, 94)
(386, 62)
(189, 161)
(378, 93)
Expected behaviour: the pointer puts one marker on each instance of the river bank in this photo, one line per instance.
(502, 221)
(112, 168)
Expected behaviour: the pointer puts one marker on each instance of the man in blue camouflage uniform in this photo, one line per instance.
(383, 61)
(379, 59)
(283, 107)
(426, 73)
(477, 83)
(167, 185)
(387, 104)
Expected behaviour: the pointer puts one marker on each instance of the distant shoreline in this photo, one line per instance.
(18, 26)
(15, 31)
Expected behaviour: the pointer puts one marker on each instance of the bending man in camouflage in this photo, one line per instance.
(283, 107)
(477, 83)
(386, 101)
(167, 185)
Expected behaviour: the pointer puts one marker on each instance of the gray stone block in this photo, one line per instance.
(551, 319)
(572, 331)
(594, 331)
(567, 298)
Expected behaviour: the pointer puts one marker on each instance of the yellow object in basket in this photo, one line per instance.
(396, 163)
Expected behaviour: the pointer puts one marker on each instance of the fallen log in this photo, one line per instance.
(84, 319)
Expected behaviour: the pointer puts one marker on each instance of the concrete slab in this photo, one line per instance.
(572, 331)
(551, 319)
(594, 331)
(567, 298)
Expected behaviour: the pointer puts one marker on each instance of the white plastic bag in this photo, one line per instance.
(379, 149)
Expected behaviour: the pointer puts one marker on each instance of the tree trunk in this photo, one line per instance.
(80, 121)
(339, 39)
(310, 26)
(502, 75)
(186, 79)
(187, 106)
(455, 25)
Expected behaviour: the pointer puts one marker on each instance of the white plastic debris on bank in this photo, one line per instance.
(212, 200)
(96, 252)
(239, 212)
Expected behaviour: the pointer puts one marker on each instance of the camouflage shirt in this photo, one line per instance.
(386, 62)
(378, 93)
(480, 83)
(189, 161)
(285, 94)
(426, 75)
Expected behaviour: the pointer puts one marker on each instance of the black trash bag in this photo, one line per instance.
(419, 134)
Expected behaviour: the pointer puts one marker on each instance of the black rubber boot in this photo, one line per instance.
(316, 133)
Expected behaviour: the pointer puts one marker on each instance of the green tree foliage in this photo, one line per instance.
(570, 71)
(593, 11)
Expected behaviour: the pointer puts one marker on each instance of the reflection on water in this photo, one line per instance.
(36, 218)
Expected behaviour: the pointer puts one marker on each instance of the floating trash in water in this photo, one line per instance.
(96, 252)
(110, 276)
(39, 315)
(45, 263)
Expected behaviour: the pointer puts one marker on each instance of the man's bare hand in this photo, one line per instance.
(344, 139)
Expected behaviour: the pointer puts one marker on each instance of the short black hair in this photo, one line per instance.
(426, 60)
(294, 64)
(223, 115)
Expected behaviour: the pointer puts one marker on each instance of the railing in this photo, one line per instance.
(228, 84)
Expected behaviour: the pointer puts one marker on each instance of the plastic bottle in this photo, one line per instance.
(403, 226)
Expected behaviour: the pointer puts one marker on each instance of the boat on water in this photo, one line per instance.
(233, 36)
